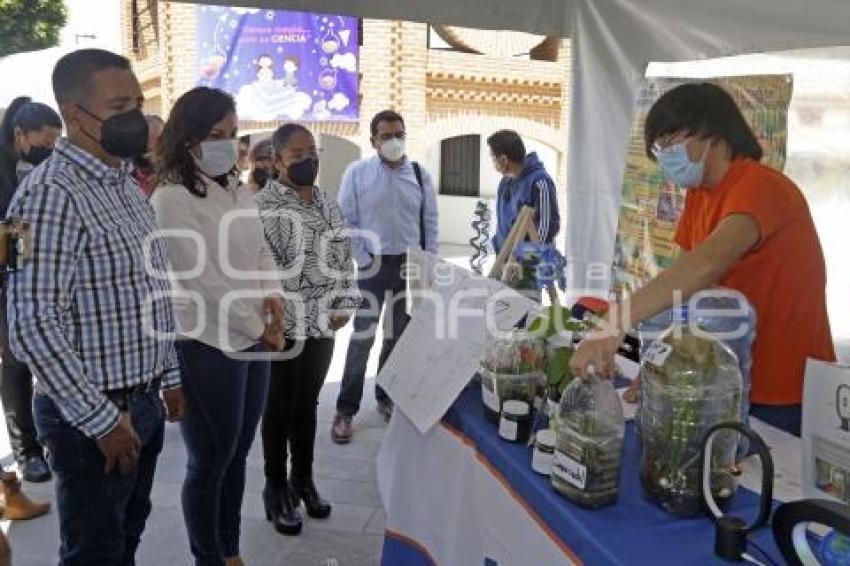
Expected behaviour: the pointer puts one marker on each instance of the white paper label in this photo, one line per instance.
(541, 462)
(551, 408)
(491, 400)
(569, 470)
(657, 353)
(538, 402)
(508, 429)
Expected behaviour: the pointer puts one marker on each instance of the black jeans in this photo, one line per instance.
(101, 516)
(17, 394)
(387, 284)
(289, 423)
(224, 401)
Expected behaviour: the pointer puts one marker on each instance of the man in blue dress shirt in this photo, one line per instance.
(390, 204)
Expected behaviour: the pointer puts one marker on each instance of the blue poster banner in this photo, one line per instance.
(281, 65)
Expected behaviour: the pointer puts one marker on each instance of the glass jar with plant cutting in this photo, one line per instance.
(690, 382)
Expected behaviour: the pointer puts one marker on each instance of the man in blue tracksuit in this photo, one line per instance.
(525, 182)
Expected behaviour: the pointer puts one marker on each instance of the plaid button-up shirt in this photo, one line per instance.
(90, 311)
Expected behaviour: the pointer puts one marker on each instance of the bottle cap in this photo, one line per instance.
(546, 438)
(516, 408)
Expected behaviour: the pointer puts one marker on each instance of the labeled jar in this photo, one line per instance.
(544, 452)
(515, 424)
(589, 429)
(496, 388)
(690, 382)
(512, 368)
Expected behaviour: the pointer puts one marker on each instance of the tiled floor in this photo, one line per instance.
(352, 536)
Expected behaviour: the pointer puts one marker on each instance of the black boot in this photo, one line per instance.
(305, 490)
(282, 509)
(35, 469)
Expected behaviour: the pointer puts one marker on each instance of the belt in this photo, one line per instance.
(122, 398)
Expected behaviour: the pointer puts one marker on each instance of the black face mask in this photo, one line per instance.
(123, 135)
(303, 173)
(260, 176)
(37, 154)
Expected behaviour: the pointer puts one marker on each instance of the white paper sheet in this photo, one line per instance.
(785, 452)
(826, 431)
(444, 341)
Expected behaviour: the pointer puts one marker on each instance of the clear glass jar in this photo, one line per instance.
(690, 381)
(512, 369)
(496, 388)
(589, 431)
(730, 317)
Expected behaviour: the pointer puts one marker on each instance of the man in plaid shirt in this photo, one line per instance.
(91, 316)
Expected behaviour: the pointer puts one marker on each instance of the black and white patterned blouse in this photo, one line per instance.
(311, 249)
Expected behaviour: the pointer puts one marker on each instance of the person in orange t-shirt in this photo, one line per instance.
(746, 227)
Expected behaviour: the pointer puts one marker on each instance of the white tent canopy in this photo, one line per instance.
(613, 41)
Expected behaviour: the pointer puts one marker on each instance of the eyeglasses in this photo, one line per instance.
(388, 137)
(665, 142)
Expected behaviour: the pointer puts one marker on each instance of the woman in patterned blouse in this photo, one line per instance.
(305, 233)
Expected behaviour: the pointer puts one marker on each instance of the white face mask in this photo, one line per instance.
(218, 157)
(393, 149)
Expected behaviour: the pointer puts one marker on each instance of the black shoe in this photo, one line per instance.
(282, 510)
(385, 409)
(305, 490)
(34, 469)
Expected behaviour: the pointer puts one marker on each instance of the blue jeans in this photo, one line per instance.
(386, 284)
(784, 417)
(101, 516)
(225, 398)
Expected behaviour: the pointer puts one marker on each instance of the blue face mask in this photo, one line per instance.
(678, 168)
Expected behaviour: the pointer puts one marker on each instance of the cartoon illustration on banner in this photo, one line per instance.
(651, 206)
(281, 65)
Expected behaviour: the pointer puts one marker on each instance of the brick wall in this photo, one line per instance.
(441, 94)
(398, 71)
(178, 50)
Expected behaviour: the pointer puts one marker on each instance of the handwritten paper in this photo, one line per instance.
(444, 341)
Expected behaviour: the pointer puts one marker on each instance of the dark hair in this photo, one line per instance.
(281, 136)
(73, 72)
(259, 149)
(509, 144)
(190, 122)
(27, 115)
(385, 116)
(704, 110)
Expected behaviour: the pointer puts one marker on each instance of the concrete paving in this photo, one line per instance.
(345, 475)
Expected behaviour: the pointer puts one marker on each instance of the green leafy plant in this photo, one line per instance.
(553, 320)
(28, 25)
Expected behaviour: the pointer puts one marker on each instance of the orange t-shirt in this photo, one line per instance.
(783, 276)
